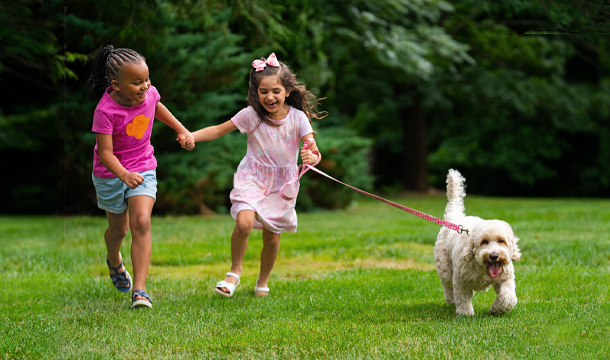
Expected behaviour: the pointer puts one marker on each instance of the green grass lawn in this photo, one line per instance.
(352, 284)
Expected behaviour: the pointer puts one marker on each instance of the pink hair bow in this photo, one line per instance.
(260, 65)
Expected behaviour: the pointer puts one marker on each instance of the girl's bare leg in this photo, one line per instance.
(239, 243)
(271, 246)
(140, 208)
(118, 226)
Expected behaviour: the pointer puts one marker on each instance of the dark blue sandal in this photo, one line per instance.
(120, 279)
(142, 302)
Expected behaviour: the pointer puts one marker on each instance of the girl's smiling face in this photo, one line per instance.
(272, 95)
(132, 85)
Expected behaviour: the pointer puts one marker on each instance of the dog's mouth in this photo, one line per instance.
(494, 269)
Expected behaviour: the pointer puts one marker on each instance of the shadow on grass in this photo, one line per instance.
(436, 311)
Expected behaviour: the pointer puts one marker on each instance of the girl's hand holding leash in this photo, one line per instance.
(308, 156)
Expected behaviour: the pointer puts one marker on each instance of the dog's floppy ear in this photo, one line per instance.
(469, 251)
(516, 251)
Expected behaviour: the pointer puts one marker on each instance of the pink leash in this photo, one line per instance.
(305, 167)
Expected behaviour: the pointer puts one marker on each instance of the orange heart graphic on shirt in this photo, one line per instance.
(137, 127)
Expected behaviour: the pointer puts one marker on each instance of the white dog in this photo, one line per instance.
(472, 262)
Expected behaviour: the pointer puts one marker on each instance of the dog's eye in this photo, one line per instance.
(501, 241)
(484, 242)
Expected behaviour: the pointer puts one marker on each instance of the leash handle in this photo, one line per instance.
(301, 170)
(306, 145)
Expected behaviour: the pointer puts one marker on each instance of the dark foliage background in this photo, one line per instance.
(413, 88)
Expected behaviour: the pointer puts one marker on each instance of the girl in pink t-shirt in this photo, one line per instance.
(277, 120)
(123, 162)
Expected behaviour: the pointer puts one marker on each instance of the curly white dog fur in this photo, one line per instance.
(469, 263)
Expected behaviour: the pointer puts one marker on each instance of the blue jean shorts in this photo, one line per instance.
(112, 194)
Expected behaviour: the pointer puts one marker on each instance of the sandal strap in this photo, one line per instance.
(228, 285)
(117, 277)
(141, 293)
(233, 274)
(116, 269)
(120, 278)
(257, 288)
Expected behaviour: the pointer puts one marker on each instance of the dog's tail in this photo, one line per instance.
(455, 194)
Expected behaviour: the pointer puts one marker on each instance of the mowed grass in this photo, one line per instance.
(352, 284)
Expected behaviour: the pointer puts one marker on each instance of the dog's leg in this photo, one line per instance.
(463, 299)
(506, 299)
(444, 269)
(448, 293)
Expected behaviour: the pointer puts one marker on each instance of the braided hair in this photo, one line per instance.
(107, 67)
(300, 98)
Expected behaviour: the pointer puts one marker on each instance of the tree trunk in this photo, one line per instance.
(415, 154)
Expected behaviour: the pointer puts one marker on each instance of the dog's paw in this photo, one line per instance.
(498, 311)
(465, 312)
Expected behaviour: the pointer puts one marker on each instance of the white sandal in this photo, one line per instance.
(257, 289)
(224, 284)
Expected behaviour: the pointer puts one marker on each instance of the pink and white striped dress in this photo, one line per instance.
(270, 162)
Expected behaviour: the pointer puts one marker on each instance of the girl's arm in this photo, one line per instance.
(184, 136)
(110, 161)
(214, 132)
(307, 155)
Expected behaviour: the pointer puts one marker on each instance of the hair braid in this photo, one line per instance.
(107, 67)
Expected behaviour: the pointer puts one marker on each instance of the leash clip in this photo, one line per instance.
(463, 230)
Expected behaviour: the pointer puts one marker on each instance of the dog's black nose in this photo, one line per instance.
(493, 256)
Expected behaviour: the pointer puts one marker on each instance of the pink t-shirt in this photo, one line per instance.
(275, 146)
(130, 128)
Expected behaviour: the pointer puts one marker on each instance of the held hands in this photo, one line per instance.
(132, 179)
(186, 140)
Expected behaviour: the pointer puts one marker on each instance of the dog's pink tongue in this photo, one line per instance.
(494, 269)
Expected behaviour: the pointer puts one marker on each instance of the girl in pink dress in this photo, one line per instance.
(277, 119)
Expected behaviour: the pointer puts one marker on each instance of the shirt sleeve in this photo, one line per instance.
(243, 119)
(304, 125)
(155, 94)
(102, 123)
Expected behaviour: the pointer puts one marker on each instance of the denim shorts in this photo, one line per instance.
(112, 194)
